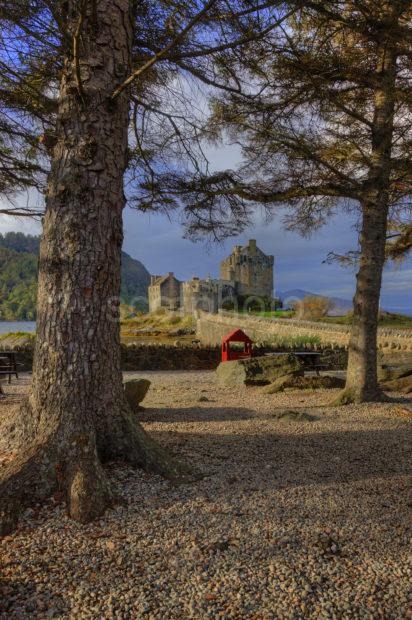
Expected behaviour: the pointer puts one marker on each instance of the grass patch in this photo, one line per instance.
(156, 326)
(17, 335)
(387, 319)
(289, 341)
(268, 314)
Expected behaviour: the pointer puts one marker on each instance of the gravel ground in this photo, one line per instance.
(304, 519)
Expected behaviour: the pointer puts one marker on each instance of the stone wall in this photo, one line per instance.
(200, 295)
(333, 339)
(142, 357)
(157, 357)
(145, 357)
(211, 329)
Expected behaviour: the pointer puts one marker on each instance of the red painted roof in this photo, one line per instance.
(237, 335)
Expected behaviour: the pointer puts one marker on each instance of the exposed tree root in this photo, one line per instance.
(74, 467)
(29, 478)
(350, 396)
(140, 450)
(88, 491)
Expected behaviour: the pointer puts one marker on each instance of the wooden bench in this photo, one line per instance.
(8, 364)
(318, 367)
(9, 371)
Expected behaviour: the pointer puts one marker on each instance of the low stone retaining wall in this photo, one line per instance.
(157, 357)
(212, 327)
(136, 357)
(146, 357)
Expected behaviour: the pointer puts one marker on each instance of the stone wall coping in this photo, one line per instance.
(29, 348)
(315, 325)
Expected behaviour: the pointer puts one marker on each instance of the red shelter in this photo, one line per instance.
(236, 336)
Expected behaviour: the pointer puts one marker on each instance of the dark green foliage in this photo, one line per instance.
(19, 242)
(135, 282)
(18, 285)
(18, 278)
(255, 304)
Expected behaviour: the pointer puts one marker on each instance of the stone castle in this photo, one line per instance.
(247, 272)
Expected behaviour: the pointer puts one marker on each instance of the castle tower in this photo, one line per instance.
(250, 269)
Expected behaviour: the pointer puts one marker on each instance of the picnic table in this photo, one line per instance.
(8, 365)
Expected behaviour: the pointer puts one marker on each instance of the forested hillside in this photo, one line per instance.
(18, 285)
(135, 282)
(18, 278)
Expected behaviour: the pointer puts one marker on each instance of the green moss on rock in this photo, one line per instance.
(257, 370)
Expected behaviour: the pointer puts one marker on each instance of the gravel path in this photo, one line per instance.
(305, 519)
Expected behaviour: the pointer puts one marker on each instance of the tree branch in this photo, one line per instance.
(147, 65)
(232, 44)
(291, 193)
(76, 39)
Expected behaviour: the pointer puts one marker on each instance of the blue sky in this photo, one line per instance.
(159, 244)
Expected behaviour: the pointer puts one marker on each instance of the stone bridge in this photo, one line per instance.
(212, 327)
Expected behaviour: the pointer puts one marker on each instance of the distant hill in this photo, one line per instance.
(135, 282)
(341, 306)
(18, 285)
(19, 242)
(18, 278)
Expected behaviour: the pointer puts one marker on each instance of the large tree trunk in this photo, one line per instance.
(361, 382)
(76, 416)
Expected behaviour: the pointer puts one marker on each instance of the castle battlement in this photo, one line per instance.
(250, 269)
(246, 272)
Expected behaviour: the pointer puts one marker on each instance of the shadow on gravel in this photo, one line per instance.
(34, 601)
(270, 458)
(10, 399)
(196, 414)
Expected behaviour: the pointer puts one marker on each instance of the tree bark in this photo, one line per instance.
(362, 383)
(76, 416)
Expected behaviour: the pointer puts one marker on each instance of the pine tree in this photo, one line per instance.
(323, 110)
(77, 82)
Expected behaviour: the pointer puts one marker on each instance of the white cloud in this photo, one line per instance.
(158, 243)
(27, 225)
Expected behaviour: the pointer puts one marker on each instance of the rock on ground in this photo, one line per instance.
(135, 390)
(390, 373)
(403, 384)
(396, 378)
(257, 370)
(298, 382)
